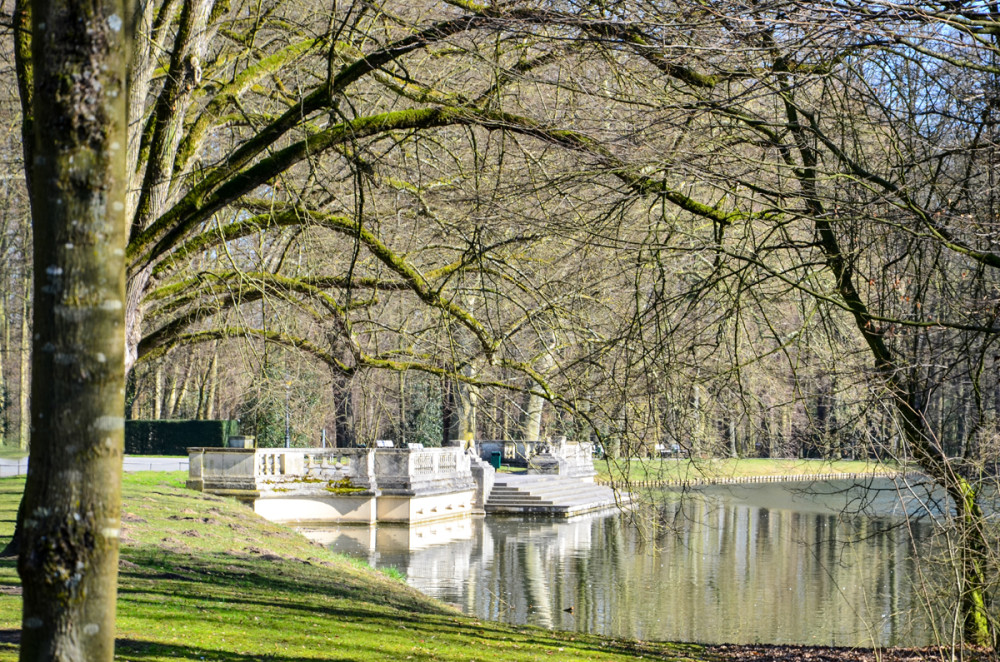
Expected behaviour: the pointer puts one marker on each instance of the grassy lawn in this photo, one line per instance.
(12, 453)
(202, 578)
(701, 469)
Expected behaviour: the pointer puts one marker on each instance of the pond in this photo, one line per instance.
(774, 563)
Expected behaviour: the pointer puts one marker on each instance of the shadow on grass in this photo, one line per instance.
(215, 572)
(232, 590)
(289, 590)
(138, 649)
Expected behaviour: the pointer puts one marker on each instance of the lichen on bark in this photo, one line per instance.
(71, 511)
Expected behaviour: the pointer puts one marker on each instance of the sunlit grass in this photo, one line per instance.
(695, 470)
(202, 578)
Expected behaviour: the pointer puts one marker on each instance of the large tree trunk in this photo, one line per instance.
(531, 420)
(76, 156)
(343, 399)
(459, 419)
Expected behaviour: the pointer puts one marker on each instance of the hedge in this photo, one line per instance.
(175, 437)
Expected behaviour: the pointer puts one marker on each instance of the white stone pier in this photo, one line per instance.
(343, 485)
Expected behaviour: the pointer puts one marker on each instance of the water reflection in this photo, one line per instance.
(770, 563)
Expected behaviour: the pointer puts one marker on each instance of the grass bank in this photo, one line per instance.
(694, 470)
(202, 578)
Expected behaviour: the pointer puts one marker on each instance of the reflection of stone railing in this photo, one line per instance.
(399, 471)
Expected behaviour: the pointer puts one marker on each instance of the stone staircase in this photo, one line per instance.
(549, 495)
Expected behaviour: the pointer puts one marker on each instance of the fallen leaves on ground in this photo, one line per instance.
(765, 653)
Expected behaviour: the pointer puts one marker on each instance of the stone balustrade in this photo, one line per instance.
(428, 470)
(344, 468)
(556, 456)
(358, 485)
(311, 486)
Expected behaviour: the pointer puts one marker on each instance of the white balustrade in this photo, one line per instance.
(311, 469)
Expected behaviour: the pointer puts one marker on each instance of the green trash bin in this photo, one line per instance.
(495, 460)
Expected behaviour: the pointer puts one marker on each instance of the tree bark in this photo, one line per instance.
(343, 429)
(212, 388)
(531, 421)
(24, 372)
(448, 414)
(69, 556)
(4, 351)
(158, 392)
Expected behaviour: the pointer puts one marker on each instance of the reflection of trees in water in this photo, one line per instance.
(725, 571)
(535, 582)
(705, 568)
(787, 567)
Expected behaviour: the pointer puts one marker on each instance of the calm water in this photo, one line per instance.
(770, 563)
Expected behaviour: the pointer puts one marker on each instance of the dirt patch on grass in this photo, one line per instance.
(263, 554)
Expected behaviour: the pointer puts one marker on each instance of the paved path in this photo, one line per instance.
(132, 463)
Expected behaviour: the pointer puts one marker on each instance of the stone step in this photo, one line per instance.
(518, 503)
(525, 481)
(558, 503)
(548, 495)
(567, 492)
(563, 487)
(530, 482)
(517, 498)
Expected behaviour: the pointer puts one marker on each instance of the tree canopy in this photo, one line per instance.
(747, 227)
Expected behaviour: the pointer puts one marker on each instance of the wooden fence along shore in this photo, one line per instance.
(739, 480)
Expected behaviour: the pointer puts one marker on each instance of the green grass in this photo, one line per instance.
(12, 453)
(202, 578)
(703, 469)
